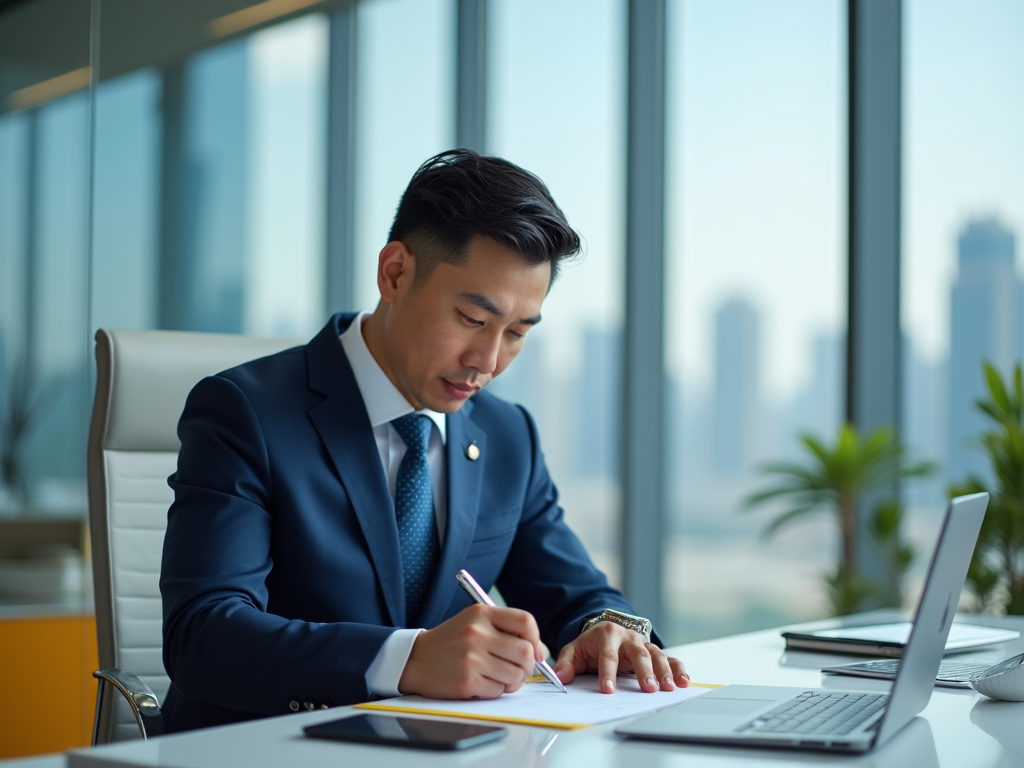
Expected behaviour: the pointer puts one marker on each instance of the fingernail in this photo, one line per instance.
(608, 685)
(669, 684)
(652, 681)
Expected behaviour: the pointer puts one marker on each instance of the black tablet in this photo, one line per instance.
(405, 732)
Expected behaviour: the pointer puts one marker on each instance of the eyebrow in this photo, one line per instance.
(489, 306)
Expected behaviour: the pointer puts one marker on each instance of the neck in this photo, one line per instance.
(375, 335)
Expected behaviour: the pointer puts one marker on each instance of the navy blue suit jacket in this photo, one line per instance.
(281, 574)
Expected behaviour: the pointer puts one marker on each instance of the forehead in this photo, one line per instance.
(497, 272)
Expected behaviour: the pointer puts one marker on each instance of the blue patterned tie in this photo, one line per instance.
(414, 508)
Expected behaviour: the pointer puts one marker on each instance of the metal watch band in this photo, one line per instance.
(636, 623)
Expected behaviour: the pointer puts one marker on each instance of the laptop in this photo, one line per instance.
(952, 673)
(829, 719)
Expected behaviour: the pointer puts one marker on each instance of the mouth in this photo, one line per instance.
(460, 390)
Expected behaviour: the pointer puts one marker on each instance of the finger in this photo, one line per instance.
(662, 669)
(486, 688)
(511, 677)
(512, 650)
(512, 621)
(640, 658)
(569, 663)
(679, 672)
(608, 662)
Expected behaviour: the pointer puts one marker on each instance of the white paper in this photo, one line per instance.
(541, 702)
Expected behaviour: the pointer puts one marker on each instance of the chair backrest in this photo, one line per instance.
(143, 379)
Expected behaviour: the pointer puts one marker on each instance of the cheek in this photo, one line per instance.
(438, 351)
(507, 355)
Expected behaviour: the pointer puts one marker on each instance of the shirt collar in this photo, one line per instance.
(383, 401)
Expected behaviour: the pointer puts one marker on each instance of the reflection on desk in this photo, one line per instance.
(1003, 721)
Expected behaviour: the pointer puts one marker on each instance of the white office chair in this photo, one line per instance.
(143, 378)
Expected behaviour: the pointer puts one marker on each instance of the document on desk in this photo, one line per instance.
(540, 703)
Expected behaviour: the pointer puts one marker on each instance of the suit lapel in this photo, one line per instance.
(344, 427)
(464, 480)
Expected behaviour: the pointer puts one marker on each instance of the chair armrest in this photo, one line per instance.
(140, 697)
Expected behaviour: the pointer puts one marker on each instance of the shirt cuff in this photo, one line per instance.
(386, 670)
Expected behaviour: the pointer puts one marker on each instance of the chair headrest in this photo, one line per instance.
(144, 377)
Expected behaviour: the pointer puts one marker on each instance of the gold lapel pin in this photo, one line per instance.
(472, 452)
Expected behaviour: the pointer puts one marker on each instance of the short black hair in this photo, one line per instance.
(459, 194)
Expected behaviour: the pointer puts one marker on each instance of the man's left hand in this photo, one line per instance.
(607, 649)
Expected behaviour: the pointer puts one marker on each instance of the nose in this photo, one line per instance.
(483, 355)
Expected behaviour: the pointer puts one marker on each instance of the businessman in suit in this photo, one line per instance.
(326, 496)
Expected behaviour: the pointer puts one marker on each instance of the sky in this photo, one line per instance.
(963, 154)
(756, 180)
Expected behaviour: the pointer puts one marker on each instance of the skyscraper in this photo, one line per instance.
(817, 408)
(986, 319)
(737, 384)
(924, 397)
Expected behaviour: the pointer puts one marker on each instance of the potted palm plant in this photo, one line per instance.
(996, 574)
(833, 480)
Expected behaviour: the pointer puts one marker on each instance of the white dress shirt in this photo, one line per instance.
(384, 403)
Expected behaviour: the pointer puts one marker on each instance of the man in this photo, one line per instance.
(326, 496)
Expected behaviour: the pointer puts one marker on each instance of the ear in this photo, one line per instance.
(395, 270)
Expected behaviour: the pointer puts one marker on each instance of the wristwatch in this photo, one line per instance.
(636, 623)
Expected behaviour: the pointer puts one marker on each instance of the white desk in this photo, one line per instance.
(959, 729)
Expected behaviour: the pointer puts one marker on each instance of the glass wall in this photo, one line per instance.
(556, 107)
(963, 216)
(209, 210)
(45, 115)
(210, 188)
(405, 114)
(756, 307)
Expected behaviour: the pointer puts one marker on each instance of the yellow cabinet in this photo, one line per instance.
(47, 692)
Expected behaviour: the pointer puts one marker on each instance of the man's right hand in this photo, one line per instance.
(482, 652)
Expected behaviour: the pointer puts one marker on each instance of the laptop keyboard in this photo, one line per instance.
(817, 713)
(949, 671)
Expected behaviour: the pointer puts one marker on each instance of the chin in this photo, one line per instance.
(448, 406)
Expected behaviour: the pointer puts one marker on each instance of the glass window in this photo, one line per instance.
(210, 190)
(556, 108)
(406, 104)
(45, 112)
(963, 215)
(756, 299)
(126, 202)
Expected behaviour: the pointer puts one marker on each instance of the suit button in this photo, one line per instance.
(310, 706)
(293, 706)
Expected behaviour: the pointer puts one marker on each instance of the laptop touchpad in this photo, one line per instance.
(723, 706)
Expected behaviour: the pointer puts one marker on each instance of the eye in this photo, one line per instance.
(516, 336)
(471, 320)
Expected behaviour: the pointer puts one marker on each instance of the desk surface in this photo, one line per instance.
(958, 728)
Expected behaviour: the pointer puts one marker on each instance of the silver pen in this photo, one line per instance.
(474, 591)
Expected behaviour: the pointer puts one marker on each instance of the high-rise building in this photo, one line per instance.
(817, 408)
(736, 388)
(924, 396)
(986, 321)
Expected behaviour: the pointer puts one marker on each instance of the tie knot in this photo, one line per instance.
(414, 429)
